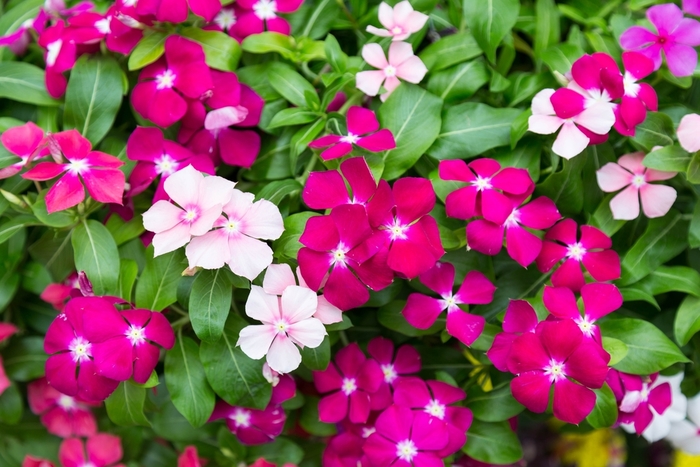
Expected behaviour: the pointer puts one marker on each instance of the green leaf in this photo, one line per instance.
(561, 57)
(616, 348)
(449, 51)
(267, 42)
(125, 405)
(493, 443)
(547, 28)
(278, 452)
(493, 406)
(221, 51)
(24, 82)
(687, 321)
(276, 191)
(148, 50)
(93, 97)
(602, 218)
(11, 406)
(210, 301)
(649, 350)
(12, 19)
(123, 231)
(187, 382)
(525, 85)
(460, 81)
(301, 139)
(58, 219)
(128, 270)
(317, 358)
(290, 84)
(337, 59)
(693, 172)
(671, 279)
(413, 116)
(310, 422)
(25, 359)
(490, 21)
(96, 253)
(235, 377)
(321, 16)
(157, 286)
(694, 230)
(293, 116)
(604, 413)
(670, 159)
(10, 228)
(656, 130)
(287, 246)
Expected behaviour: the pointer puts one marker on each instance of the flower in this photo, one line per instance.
(688, 135)
(555, 352)
(23, 141)
(407, 362)
(124, 28)
(675, 36)
(158, 95)
(262, 15)
(189, 457)
(286, 322)
(235, 239)
(62, 415)
(60, 56)
(100, 450)
(401, 64)
(6, 331)
(175, 11)
(520, 317)
(350, 380)
(592, 249)
(685, 434)
(58, 293)
(400, 21)
(692, 7)
(327, 189)
(30, 461)
(421, 311)
(344, 450)
(360, 122)
(18, 40)
(630, 172)
(251, 426)
(201, 201)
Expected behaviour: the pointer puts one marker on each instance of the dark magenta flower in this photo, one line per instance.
(406, 362)
(62, 415)
(175, 11)
(327, 189)
(262, 15)
(520, 317)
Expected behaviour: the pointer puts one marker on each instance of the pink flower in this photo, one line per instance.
(58, 293)
(326, 190)
(62, 415)
(101, 450)
(491, 190)
(24, 142)
(688, 134)
(158, 96)
(189, 458)
(691, 7)
(18, 40)
(235, 239)
(6, 330)
(401, 64)
(522, 245)
(675, 36)
(555, 352)
(175, 11)
(61, 54)
(225, 21)
(629, 172)
(251, 426)
(407, 438)
(593, 250)
(344, 450)
(99, 171)
(421, 311)
(201, 201)
(400, 21)
(159, 156)
(30, 461)
(407, 362)
(360, 122)
(286, 322)
(125, 27)
(350, 387)
(520, 317)
(262, 15)
(637, 396)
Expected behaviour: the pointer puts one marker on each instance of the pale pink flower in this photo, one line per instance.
(685, 434)
(629, 173)
(401, 64)
(200, 199)
(235, 239)
(400, 21)
(286, 322)
(688, 134)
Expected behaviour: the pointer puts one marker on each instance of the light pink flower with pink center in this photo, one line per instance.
(675, 36)
(201, 200)
(593, 250)
(490, 191)
(263, 15)
(685, 434)
(688, 134)
(62, 415)
(251, 426)
(24, 142)
(629, 173)
(237, 239)
(99, 171)
(401, 64)
(360, 122)
(400, 21)
(421, 311)
(175, 11)
(553, 354)
(520, 318)
(522, 245)
(288, 323)
(327, 189)
(190, 458)
(350, 380)
(100, 450)
(637, 395)
(406, 362)
(6, 330)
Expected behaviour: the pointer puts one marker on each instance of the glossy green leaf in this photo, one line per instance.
(604, 413)
(493, 406)
(210, 301)
(656, 130)
(450, 50)
(221, 51)
(616, 348)
(24, 360)
(561, 57)
(670, 159)
(125, 405)
(96, 253)
(293, 116)
(490, 21)
(547, 28)
(11, 405)
(310, 422)
(687, 321)
(493, 443)
(148, 50)
(318, 357)
(128, 270)
(460, 81)
(157, 286)
(290, 84)
(24, 82)
(287, 246)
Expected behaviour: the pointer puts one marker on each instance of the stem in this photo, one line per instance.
(352, 100)
(307, 171)
(343, 338)
(38, 186)
(308, 73)
(178, 310)
(348, 13)
(179, 324)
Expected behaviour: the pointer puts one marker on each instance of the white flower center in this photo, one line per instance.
(576, 251)
(512, 220)
(639, 180)
(396, 30)
(78, 166)
(406, 450)
(596, 95)
(79, 349)
(436, 409)
(166, 165)
(66, 402)
(265, 9)
(225, 19)
(103, 25)
(241, 417)
(165, 80)
(397, 230)
(88, 464)
(390, 71)
(555, 370)
(349, 386)
(129, 21)
(350, 138)
(631, 86)
(586, 325)
(281, 326)
(449, 302)
(136, 335)
(190, 215)
(52, 51)
(232, 226)
(389, 373)
(367, 431)
(482, 184)
(27, 23)
(338, 255)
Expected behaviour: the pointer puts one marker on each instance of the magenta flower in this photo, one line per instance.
(436, 398)
(688, 135)
(344, 450)
(287, 324)
(341, 255)
(6, 330)
(593, 250)
(491, 190)
(555, 352)
(237, 239)
(407, 362)
(630, 172)
(99, 171)
(201, 200)
(351, 379)
(263, 15)
(62, 415)
(401, 64)
(189, 458)
(175, 11)
(421, 311)
(400, 21)
(18, 40)
(675, 36)
(100, 450)
(360, 122)
(520, 317)
(61, 54)
(158, 96)
(22, 141)
(326, 190)
(125, 27)
(251, 426)
(522, 245)
(30, 461)
(637, 395)
(226, 20)
(406, 438)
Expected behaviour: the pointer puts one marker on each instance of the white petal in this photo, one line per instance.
(171, 239)
(612, 177)
(386, 16)
(263, 220)
(625, 205)
(255, 340)
(541, 103)
(689, 132)
(631, 401)
(277, 278)
(162, 216)
(239, 204)
(298, 303)
(327, 313)
(378, 31)
(210, 251)
(214, 191)
(307, 333)
(544, 124)
(694, 409)
(374, 55)
(249, 257)
(261, 306)
(369, 82)
(284, 356)
(570, 142)
(183, 186)
(657, 199)
(598, 118)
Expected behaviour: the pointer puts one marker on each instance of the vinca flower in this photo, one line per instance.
(685, 434)
(24, 142)
(400, 21)
(402, 63)
(175, 11)
(688, 134)
(406, 362)
(263, 15)
(62, 415)
(100, 450)
(327, 189)
(520, 318)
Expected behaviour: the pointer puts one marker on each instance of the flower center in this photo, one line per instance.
(225, 19)
(103, 25)
(79, 349)
(78, 166)
(555, 370)
(576, 251)
(166, 165)
(281, 326)
(232, 226)
(265, 9)
(390, 71)
(67, 403)
(136, 335)
(662, 40)
(367, 431)
(349, 386)
(396, 30)
(397, 230)
(190, 215)
(644, 393)
(436, 409)
(338, 255)
(512, 220)
(389, 373)
(88, 464)
(631, 86)
(482, 184)
(241, 418)
(639, 180)
(52, 51)
(449, 302)
(586, 326)
(165, 80)
(406, 450)
(350, 138)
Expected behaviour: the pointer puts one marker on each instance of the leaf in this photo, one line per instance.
(525, 85)
(187, 383)
(321, 16)
(694, 231)
(310, 421)
(96, 253)
(276, 191)
(221, 51)
(413, 116)
(693, 172)
(290, 84)
(449, 51)
(24, 82)
(318, 358)
(148, 50)
(11, 406)
(58, 219)
(493, 443)
(547, 28)
(24, 360)
(671, 279)
(210, 301)
(301, 139)
(287, 246)
(656, 130)
(157, 286)
(493, 406)
(561, 57)
(10, 228)
(12, 19)
(293, 116)
(235, 377)
(602, 218)
(616, 348)
(460, 81)
(687, 321)
(279, 452)
(267, 42)
(93, 97)
(123, 231)
(604, 413)
(670, 159)
(337, 59)
(125, 405)
(490, 21)
(128, 270)
(649, 350)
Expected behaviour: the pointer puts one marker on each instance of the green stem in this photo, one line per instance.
(307, 171)
(348, 13)
(343, 338)
(178, 325)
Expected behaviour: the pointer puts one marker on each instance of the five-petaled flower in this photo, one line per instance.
(401, 64)
(400, 21)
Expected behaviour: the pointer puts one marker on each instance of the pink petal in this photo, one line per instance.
(373, 55)
(415, 255)
(395, 423)
(224, 117)
(360, 178)
(485, 237)
(412, 70)
(114, 358)
(569, 275)
(207, 9)
(186, 59)
(369, 82)
(440, 278)
(44, 171)
(572, 402)
(522, 246)
(105, 185)
(519, 317)
(652, 175)
(560, 338)
(361, 121)
(636, 38)
(570, 141)
(313, 266)
(602, 265)
(277, 278)
(421, 311)
(512, 180)
(550, 255)
(586, 72)
(327, 313)
(104, 449)
(325, 190)
(495, 206)
(336, 151)
(327, 380)
(333, 408)
(588, 365)
(71, 453)
(465, 327)
(598, 118)
(540, 213)
(309, 332)
(209, 251)
(612, 177)
(660, 397)
(407, 360)
(561, 302)
(600, 299)
(681, 59)
(162, 216)
(476, 289)
(344, 290)
(359, 407)
(665, 17)
(239, 148)
(352, 223)
(527, 354)
(379, 450)
(461, 203)
(428, 432)
(625, 205)
(656, 199)
(298, 303)
(500, 350)
(688, 134)
(65, 193)
(567, 103)
(22, 140)
(383, 140)
(532, 390)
